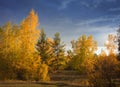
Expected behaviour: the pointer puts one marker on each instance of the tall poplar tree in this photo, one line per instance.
(28, 36)
(9, 47)
(18, 56)
(83, 49)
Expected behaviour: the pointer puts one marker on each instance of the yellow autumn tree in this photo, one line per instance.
(29, 33)
(19, 58)
(110, 44)
(28, 36)
(9, 48)
(83, 50)
(106, 66)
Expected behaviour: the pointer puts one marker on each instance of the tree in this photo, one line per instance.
(18, 56)
(58, 50)
(9, 47)
(110, 44)
(104, 71)
(83, 50)
(69, 58)
(106, 67)
(118, 40)
(44, 48)
(29, 33)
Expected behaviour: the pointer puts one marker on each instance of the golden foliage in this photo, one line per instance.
(104, 71)
(83, 51)
(18, 57)
(110, 44)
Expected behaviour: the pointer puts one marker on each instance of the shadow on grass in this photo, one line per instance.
(37, 84)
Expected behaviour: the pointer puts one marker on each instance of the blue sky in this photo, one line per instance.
(71, 18)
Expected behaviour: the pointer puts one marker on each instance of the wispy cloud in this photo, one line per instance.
(72, 30)
(94, 3)
(111, 0)
(99, 33)
(114, 9)
(65, 4)
(95, 29)
(91, 3)
(99, 20)
(93, 21)
(85, 4)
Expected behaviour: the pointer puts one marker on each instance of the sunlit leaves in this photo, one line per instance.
(110, 44)
(18, 55)
(83, 49)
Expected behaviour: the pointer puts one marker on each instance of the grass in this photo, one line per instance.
(59, 79)
(18, 83)
(37, 84)
(25, 85)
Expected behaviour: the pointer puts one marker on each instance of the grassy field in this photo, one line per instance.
(25, 85)
(35, 84)
(63, 78)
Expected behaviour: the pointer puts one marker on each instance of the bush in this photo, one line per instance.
(104, 71)
(42, 73)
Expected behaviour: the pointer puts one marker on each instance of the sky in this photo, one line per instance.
(72, 18)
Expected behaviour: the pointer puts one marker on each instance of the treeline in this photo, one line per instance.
(26, 53)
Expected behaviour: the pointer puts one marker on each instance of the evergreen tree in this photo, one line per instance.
(118, 40)
(58, 49)
(44, 48)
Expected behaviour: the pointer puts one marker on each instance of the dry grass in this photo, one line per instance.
(24, 84)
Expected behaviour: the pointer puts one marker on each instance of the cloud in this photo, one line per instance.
(85, 4)
(92, 21)
(114, 9)
(105, 19)
(95, 3)
(70, 30)
(65, 4)
(95, 29)
(90, 3)
(98, 30)
(111, 0)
